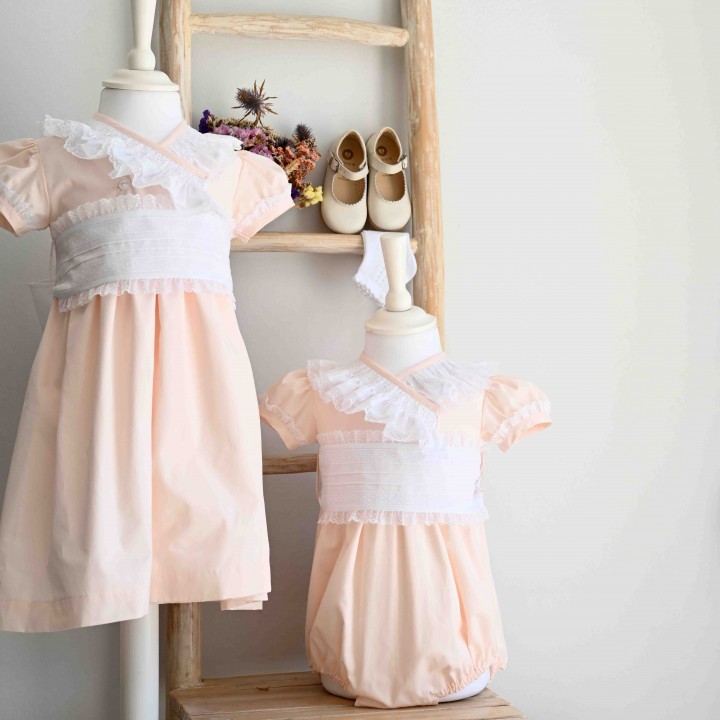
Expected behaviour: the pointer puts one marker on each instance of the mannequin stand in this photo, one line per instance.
(139, 665)
(145, 100)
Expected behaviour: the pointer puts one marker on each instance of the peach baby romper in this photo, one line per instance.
(137, 472)
(402, 608)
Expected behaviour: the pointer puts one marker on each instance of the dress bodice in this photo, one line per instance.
(127, 214)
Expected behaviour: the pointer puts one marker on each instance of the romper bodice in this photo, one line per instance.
(402, 449)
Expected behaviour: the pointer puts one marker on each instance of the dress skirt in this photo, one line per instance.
(137, 471)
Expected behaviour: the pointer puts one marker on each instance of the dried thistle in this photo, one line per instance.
(282, 141)
(303, 132)
(255, 102)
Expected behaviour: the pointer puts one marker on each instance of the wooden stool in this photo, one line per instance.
(301, 696)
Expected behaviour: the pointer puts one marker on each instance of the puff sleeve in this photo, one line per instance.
(24, 201)
(512, 409)
(262, 194)
(288, 408)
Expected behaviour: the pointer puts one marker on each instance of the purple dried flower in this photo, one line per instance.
(261, 150)
(203, 126)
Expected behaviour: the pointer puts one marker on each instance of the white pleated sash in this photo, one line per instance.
(143, 245)
(396, 483)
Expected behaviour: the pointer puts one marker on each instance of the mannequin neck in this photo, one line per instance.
(154, 115)
(396, 353)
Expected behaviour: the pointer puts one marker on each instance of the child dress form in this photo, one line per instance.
(402, 608)
(137, 472)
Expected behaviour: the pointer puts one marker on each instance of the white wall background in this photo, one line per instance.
(581, 182)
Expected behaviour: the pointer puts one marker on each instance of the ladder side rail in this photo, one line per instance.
(429, 282)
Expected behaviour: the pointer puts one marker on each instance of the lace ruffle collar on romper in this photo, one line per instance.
(408, 405)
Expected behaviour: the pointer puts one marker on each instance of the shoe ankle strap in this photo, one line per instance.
(336, 166)
(377, 164)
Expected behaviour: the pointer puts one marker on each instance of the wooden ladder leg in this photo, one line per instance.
(429, 283)
(175, 39)
(184, 667)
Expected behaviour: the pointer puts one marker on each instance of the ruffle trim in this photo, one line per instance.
(522, 414)
(448, 383)
(261, 209)
(356, 387)
(207, 151)
(139, 286)
(369, 288)
(17, 203)
(492, 666)
(284, 418)
(109, 206)
(129, 157)
(400, 517)
(354, 437)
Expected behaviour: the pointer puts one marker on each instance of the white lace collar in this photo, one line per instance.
(183, 166)
(409, 404)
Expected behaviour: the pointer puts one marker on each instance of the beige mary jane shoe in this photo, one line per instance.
(388, 197)
(344, 208)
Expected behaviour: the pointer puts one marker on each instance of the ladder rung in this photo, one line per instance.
(298, 27)
(304, 242)
(289, 464)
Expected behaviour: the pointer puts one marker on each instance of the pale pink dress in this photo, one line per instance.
(402, 608)
(137, 471)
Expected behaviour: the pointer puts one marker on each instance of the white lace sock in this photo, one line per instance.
(371, 277)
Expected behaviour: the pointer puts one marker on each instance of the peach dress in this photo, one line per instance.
(402, 608)
(137, 471)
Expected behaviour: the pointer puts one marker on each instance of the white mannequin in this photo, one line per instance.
(152, 114)
(146, 102)
(397, 337)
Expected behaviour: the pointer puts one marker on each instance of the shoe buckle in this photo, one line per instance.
(404, 162)
(333, 163)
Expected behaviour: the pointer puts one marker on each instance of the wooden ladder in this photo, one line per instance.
(300, 695)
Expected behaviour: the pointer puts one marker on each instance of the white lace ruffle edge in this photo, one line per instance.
(261, 209)
(284, 418)
(521, 415)
(109, 206)
(129, 157)
(371, 276)
(143, 286)
(17, 203)
(369, 288)
(353, 437)
(207, 151)
(400, 517)
(356, 387)
(448, 383)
